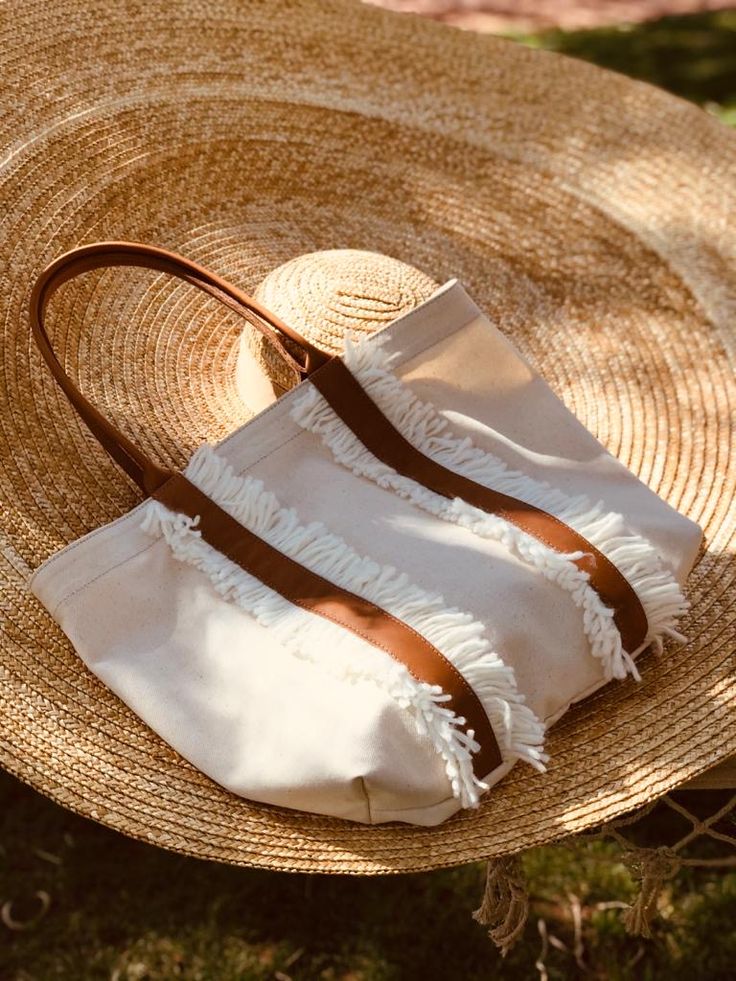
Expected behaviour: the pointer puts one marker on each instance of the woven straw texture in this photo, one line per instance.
(331, 293)
(593, 217)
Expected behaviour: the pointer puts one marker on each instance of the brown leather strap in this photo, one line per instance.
(361, 414)
(147, 474)
(311, 592)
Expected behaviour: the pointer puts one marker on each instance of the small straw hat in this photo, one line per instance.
(592, 217)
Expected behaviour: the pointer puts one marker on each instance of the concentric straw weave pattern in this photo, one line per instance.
(594, 218)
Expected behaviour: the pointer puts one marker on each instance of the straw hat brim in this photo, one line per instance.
(593, 217)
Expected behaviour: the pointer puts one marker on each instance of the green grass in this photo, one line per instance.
(122, 910)
(694, 57)
(119, 909)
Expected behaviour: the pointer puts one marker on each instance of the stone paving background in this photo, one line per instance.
(501, 16)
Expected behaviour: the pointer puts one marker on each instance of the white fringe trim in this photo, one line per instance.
(519, 733)
(428, 431)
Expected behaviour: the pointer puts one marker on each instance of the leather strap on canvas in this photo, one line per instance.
(312, 592)
(359, 412)
(290, 579)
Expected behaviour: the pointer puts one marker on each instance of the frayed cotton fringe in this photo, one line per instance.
(519, 733)
(428, 431)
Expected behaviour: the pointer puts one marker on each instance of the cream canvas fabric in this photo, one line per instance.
(282, 710)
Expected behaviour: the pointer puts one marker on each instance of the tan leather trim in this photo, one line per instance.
(360, 413)
(311, 592)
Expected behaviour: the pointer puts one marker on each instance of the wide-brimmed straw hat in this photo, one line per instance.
(592, 217)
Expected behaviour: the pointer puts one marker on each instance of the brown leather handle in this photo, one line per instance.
(149, 475)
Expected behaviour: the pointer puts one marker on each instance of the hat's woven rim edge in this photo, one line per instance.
(340, 866)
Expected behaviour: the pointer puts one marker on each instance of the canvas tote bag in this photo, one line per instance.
(372, 599)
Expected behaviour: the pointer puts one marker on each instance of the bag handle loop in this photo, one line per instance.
(145, 472)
